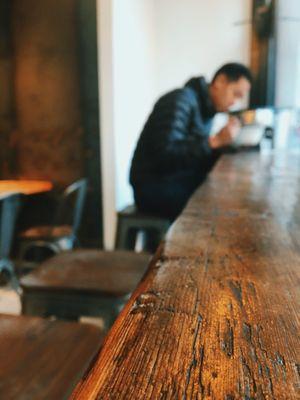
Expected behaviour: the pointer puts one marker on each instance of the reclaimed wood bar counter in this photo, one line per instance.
(217, 313)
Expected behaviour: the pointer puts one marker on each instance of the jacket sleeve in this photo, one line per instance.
(174, 145)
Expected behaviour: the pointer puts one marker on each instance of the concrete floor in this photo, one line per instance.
(9, 301)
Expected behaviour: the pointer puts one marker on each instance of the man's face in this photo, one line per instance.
(226, 94)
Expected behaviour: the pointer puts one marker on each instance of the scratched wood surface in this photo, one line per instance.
(217, 314)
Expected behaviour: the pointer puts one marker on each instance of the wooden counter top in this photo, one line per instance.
(217, 314)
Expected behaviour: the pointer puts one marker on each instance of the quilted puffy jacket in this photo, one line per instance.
(174, 140)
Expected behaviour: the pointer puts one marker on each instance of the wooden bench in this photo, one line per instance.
(41, 359)
(83, 282)
(217, 315)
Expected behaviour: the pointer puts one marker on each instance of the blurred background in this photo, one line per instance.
(78, 79)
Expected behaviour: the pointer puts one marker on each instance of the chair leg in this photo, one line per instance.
(140, 241)
(121, 237)
(65, 244)
(6, 265)
(7, 270)
(109, 316)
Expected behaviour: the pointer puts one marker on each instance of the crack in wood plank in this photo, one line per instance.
(227, 342)
(236, 289)
(193, 362)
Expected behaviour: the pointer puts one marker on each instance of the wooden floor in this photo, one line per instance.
(41, 359)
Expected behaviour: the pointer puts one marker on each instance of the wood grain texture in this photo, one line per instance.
(42, 359)
(217, 314)
(88, 271)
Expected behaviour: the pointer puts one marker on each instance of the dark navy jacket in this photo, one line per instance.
(173, 156)
(174, 141)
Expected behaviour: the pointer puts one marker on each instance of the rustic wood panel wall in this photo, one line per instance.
(263, 52)
(47, 94)
(49, 110)
(6, 89)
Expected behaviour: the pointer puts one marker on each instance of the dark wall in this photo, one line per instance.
(88, 64)
(263, 53)
(49, 130)
(6, 88)
(49, 125)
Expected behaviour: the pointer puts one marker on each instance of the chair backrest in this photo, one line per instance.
(71, 205)
(10, 206)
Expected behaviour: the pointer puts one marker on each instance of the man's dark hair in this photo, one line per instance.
(233, 72)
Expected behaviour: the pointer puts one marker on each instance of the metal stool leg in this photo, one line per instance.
(9, 212)
(140, 241)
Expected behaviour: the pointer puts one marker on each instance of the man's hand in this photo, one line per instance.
(226, 135)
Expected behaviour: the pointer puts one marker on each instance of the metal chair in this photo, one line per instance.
(62, 234)
(138, 231)
(10, 206)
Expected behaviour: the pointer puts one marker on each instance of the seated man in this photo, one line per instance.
(175, 152)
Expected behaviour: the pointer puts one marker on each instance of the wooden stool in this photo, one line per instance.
(138, 231)
(83, 282)
(42, 359)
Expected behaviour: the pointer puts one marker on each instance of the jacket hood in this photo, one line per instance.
(201, 88)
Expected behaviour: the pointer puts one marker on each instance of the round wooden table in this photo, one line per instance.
(24, 186)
